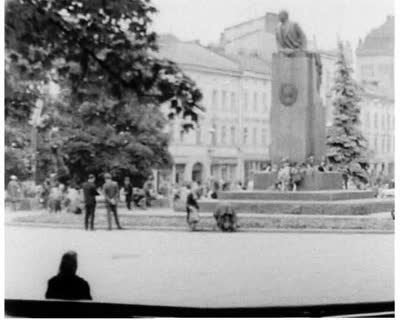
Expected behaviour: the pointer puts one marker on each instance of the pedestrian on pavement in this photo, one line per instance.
(55, 198)
(111, 195)
(67, 285)
(148, 189)
(44, 196)
(192, 208)
(128, 191)
(13, 192)
(89, 195)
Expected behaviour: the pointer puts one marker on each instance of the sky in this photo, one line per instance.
(204, 20)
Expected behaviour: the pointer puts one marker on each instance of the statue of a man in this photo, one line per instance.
(290, 39)
(289, 36)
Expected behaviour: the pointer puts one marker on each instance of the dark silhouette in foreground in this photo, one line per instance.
(67, 285)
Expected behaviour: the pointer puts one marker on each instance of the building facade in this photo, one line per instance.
(375, 72)
(232, 137)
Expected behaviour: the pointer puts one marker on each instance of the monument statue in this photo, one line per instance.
(291, 39)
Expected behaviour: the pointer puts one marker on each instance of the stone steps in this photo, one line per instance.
(339, 207)
(297, 196)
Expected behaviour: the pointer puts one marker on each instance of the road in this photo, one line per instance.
(206, 269)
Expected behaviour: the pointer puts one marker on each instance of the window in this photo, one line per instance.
(214, 135)
(376, 144)
(367, 120)
(389, 144)
(245, 100)
(245, 135)
(223, 135)
(233, 101)
(383, 122)
(198, 135)
(223, 100)
(215, 99)
(255, 102)
(383, 144)
(255, 136)
(376, 121)
(265, 102)
(367, 71)
(388, 122)
(264, 136)
(233, 135)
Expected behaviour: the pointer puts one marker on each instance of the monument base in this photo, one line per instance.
(310, 182)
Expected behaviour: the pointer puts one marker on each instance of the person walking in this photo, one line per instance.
(13, 191)
(128, 191)
(192, 208)
(89, 195)
(66, 284)
(111, 194)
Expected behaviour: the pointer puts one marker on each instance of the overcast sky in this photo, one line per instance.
(205, 19)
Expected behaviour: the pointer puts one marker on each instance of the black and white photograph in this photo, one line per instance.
(198, 158)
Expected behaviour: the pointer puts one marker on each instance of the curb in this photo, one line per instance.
(241, 230)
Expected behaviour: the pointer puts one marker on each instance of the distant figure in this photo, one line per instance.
(89, 195)
(192, 208)
(321, 167)
(67, 285)
(111, 194)
(128, 191)
(44, 196)
(148, 188)
(13, 191)
(55, 198)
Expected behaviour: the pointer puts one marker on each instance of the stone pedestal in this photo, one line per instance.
(297, 114)
(314, 181)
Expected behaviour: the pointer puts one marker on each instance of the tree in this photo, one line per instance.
(102, 54)
(346, 145)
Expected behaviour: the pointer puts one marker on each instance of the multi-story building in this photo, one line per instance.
(233, 134)
(375, 72)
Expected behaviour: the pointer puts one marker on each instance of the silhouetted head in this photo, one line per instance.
(283, 16)
(69, 263)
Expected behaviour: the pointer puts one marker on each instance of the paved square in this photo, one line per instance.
(206, 269)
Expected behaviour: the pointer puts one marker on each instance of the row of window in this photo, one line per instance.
(226, 101)
(371, 70)
(253, 137)
(386, 144)
(386, 123)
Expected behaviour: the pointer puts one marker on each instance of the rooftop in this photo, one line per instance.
(194, 54)
(251, 63)
(380, 41)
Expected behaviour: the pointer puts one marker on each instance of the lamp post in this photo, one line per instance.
(34, 136)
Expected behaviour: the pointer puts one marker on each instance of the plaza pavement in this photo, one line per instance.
(206, 269)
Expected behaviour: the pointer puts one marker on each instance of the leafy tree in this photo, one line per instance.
(346, 145)
(103, 57)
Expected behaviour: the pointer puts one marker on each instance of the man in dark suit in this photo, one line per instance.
(128, 190)
(111, 195)
(89, 194)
